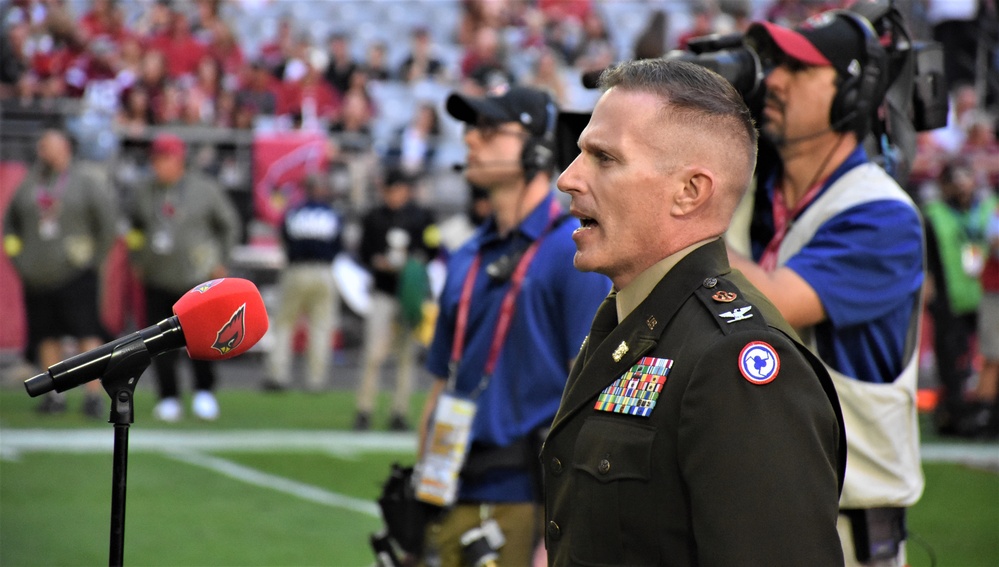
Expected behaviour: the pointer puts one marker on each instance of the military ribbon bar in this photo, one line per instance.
(636, 391)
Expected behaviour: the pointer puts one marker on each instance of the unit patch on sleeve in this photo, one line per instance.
(636, 391)
(759, 362)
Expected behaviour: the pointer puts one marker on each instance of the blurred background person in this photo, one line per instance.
(986, 393)
(183, 228)
(957, 247)
(513, 313)
(398, 238)
(58, 230)
(311, 235)
(421, 63)
(415, 144)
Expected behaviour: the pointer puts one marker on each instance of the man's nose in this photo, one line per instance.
(567, 181)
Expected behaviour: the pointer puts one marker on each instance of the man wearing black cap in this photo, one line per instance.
(837, 245)
(513, 313)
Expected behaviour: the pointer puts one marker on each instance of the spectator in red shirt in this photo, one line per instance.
(181, 50)
(104, 19)
(310, 97)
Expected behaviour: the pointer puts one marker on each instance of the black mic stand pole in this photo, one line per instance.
(128, 361)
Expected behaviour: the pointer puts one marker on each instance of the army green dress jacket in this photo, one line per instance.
(698, 431)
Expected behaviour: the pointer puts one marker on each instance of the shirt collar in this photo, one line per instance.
(635, 293)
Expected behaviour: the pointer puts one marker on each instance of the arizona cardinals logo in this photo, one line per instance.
(202, 288)
(818, 21)
(231, 334)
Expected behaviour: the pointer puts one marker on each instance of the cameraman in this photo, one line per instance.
(837, 245)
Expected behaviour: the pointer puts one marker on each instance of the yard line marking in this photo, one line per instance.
(274, 482)
(344, 444)
(339, 443)
(985, 456)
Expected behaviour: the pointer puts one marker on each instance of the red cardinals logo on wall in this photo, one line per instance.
(231, 334)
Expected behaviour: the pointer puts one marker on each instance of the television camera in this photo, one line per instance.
(914, 90)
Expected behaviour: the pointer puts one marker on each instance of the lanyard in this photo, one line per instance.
(783, 219)
(506, 309)
(50, 196)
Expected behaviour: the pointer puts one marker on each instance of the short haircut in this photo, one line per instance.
(692, 95)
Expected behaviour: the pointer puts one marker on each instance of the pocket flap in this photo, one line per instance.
(611, 449)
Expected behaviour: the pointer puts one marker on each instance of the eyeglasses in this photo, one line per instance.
(780, 59)
(489, 130)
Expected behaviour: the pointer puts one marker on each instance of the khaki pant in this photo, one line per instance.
(309, 290)
(521, 524)
(384, 335)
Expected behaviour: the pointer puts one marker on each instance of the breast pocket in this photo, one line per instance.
(612, 468)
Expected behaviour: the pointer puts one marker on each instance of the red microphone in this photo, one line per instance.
(216, 320)
(221, 318)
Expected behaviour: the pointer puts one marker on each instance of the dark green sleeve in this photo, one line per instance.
(759, 460)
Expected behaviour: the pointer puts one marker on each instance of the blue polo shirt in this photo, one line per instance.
(552, 315)
(866, 265)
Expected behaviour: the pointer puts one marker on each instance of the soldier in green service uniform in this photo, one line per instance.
(695, 429)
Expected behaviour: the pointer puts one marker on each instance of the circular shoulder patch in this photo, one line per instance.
(759, 362)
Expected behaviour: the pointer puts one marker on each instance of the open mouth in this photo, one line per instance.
(586, 222)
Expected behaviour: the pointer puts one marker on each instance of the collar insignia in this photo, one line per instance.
(737, 314)
(724, 296)
(620, 351)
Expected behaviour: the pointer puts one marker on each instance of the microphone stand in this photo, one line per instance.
(126, 364)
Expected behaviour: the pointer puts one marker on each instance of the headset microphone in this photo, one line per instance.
(460, 167)
(216, 320)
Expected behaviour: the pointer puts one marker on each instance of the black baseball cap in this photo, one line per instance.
(826, 39)
(532, 108)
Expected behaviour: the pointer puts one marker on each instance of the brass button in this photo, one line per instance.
(604, 466)
(556, 465)
(554, 531)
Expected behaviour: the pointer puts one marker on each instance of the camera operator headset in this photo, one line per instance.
(861, 86)
(538, 156)
(860, 89)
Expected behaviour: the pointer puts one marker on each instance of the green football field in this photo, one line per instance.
(281, 480)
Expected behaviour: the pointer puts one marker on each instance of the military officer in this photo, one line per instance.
(695, 429)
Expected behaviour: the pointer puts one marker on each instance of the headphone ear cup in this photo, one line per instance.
(536, 157)
(857, 96)
(846, 102)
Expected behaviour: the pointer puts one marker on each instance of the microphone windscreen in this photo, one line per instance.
(221, 318)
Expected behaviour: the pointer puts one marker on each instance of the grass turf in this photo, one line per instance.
(55, 506)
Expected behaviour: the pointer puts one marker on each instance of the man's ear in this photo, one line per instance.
(699, 185)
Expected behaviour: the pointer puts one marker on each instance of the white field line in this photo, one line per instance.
(278, 483)
(344, 444)
(186, 447)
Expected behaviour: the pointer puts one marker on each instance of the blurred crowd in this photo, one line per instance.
(370, 77)
(226, 62)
